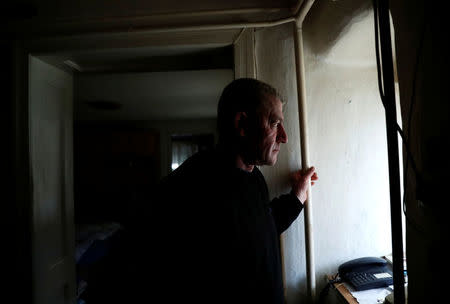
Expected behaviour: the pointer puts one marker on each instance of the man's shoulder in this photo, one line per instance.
(196, 166)
(188, 186)
(257, 172)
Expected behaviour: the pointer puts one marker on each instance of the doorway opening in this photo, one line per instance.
(129, 106)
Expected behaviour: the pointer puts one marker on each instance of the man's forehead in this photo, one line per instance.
(272, 105)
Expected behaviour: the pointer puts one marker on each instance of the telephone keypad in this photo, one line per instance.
(364, 280)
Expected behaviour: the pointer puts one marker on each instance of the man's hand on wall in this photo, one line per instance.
(300, 183)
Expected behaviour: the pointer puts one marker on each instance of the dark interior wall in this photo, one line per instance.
(7, 127)
(114, 170)
(17, 187)
(117, 164)
(422, 46)
(15, 270)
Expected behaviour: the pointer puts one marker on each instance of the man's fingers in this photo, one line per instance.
(310, 173)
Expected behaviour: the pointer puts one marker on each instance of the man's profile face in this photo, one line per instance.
(270, 134)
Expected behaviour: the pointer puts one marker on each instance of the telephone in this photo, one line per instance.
(366, 273)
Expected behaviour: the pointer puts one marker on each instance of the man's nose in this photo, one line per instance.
(282, 136)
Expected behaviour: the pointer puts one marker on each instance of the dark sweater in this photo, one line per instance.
(216, 234)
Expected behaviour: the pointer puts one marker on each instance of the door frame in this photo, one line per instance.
(22, 187)
(22, 192)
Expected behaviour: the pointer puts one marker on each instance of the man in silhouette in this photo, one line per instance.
(215, 232)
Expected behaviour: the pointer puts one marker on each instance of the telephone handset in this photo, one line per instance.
(366, 273)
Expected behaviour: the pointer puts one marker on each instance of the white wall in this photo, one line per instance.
(279, 71)
(50, 94)
(347, 116)
(347, 143)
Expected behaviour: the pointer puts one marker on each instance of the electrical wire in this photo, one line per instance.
(380, 87)
(377, 53)
(405, 141)
(410, 113)
(255, 61)
(325, 290)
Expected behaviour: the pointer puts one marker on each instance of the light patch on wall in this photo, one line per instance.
(346, 52)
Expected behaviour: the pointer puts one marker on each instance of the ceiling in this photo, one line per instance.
(37, 17)
(148, 56)
(151, 96)
(147, 83)
(143, 59)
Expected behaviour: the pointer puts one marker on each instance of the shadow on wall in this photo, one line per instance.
(336, 19)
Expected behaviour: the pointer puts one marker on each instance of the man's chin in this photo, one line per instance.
(268, 162)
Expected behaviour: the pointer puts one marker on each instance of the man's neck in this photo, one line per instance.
(242, 165)
(231, 153)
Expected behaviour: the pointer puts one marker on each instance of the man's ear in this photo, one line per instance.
(240, 123)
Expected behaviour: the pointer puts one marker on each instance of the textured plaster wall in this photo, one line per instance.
(348, 145)
(347, 140)
(275, 65)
